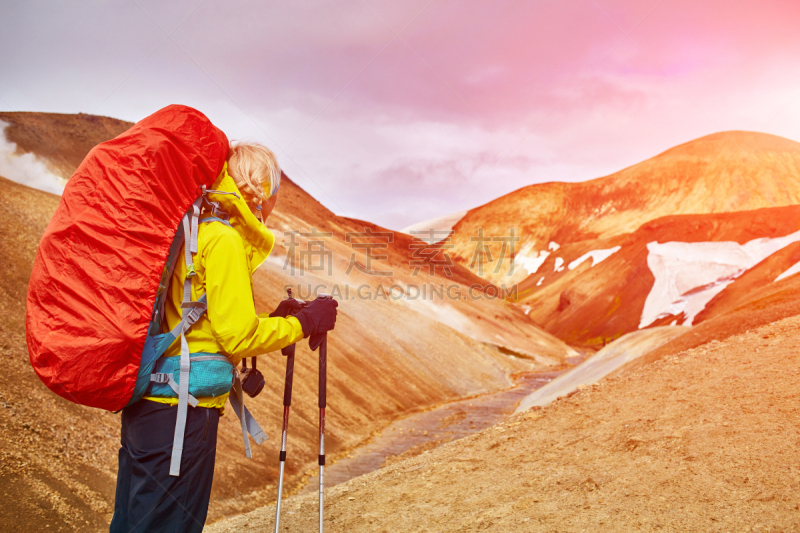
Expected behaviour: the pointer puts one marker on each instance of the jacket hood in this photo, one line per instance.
(258, 239)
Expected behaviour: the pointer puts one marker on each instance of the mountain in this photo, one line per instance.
(704, 440)
(724, 172)
(389, 356)
(754, 300)
(581, 262)
(693, 430)
(592, 305)
(62, 140)
(706, 234)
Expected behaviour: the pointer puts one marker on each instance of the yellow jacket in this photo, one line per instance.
(225, 261)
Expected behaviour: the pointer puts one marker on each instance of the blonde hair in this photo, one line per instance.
(253, 168)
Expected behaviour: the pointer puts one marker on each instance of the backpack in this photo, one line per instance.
(99, 282)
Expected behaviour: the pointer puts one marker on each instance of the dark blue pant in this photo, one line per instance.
(148, 499)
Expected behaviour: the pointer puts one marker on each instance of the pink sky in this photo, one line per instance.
(396, 112)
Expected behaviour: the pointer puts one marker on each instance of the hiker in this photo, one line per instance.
(232, 242)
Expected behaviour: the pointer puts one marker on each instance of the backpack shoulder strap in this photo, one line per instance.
(191, 312)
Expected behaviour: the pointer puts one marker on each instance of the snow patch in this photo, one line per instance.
(553, 246)
(529, 259)
(597, 257)
(447, 315)
(689, 274)
(597, 366)
(696, 299)
(794, 269)
(559, 264)
(26, 169)
(540, 281)
(439, 224)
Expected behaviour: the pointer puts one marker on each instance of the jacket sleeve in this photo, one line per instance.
(231, 310)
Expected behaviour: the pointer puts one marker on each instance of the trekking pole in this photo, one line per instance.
(288, 351)
(323, 370)
(321, 342)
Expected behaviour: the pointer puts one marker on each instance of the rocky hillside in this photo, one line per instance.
(645, 282)
(388, 357)
(725, 172)
(698, 434)
(62, 140)
(706, 234)
(703, 440)
(697, 431)
(591, 260)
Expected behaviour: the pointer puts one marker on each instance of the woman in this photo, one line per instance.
(232, 243)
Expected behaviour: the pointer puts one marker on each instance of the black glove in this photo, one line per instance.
(287, 307)
(318, 316)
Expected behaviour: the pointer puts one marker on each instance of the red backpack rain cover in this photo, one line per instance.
(94, 281)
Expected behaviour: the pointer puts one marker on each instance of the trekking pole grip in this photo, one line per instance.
(287, 389)
(323, 372)
(288, 351)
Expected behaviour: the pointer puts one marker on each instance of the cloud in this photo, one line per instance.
(394, 111)
(26, 168)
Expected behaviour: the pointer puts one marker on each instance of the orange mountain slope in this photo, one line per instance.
(723, 172)
(61, 139)
(478, 313)
(592, 305)
(753, 300)
(758, 283)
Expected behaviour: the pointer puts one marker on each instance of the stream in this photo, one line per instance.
(426, 430)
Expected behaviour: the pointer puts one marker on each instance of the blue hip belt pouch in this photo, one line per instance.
(211, 375)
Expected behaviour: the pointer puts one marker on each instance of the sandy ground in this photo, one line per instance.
(703, 440)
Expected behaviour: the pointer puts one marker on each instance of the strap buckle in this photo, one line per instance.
(159, 377)
(218, 212)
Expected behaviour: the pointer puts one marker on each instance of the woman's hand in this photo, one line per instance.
(318, 316)
(288, 307)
